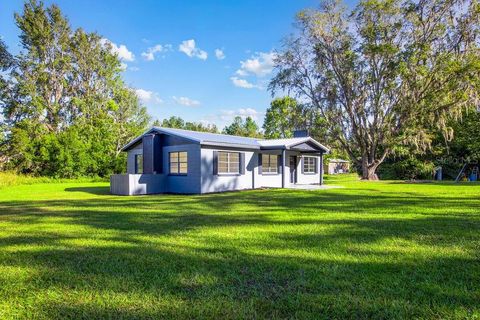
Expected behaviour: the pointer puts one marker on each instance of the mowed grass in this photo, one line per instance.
(372, 250)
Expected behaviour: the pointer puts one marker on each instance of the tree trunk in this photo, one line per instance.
(369, 170)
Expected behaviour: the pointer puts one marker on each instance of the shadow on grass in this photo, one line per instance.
(99, 191)
(291, 255)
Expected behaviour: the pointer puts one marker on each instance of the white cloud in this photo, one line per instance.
(186, 101)
(148, 96)
(121, 51)
(242, 83)
(134, 69)
(219, 54)
(149, 55)
(260, 65)
(228, 115)
(189, 48)
(123, 66)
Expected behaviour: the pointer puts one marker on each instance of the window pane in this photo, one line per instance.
(223, 167)
(274, 161)
(234, 156)
(183, 167)
(223, 156)
(265, 160)
(138, 163)
(183, 156)
(234, 167)
(173, 156)
(173, 167)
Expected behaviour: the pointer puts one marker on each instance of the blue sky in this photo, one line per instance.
(201, 60)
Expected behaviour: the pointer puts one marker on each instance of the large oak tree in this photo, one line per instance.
(385, 74)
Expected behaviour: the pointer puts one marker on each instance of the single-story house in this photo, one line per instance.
(337, 166)
(166, 160)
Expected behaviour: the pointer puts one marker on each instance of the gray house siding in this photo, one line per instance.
(211, 182)
(202, 177)
(189, 183)
(131, 158)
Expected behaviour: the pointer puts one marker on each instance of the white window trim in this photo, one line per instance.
(269, 160)
(315, 164)
(178, 163)
(228, 173)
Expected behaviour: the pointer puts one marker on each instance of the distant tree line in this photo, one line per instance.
(179, 123)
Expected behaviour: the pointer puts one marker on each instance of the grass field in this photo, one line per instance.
(383, 250)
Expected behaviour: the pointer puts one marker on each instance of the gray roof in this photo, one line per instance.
(215, 139)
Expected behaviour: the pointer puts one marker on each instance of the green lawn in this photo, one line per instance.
(381, 250)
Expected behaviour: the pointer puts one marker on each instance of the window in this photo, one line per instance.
(309, 165)
(228, 162)
(178, 162)
(138, 163)
(269, 163)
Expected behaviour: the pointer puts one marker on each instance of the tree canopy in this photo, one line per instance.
(67, 111)
(243, 127)
(179, 123)
(386, 74)
(284, 116)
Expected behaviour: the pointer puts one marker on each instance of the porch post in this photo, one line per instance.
(321, 168)
(283, 168)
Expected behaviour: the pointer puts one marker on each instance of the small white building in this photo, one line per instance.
(166, 160)
(337, 166)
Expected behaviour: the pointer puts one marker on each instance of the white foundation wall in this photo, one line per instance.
(137, 184)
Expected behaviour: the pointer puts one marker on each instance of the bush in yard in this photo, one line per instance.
(409, 168)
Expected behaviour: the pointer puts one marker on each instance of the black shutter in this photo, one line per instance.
(148, 164)
(158, 154)
(241, 157)
(215, 162)
(316, 165)
(302, 160)
(279, 164)
(259, 163)
(136, 164)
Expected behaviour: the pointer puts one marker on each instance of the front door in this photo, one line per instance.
(293, 169)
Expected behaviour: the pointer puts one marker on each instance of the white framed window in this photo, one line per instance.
(269, 163)
(228, 162)
(309, 165)
(178, 162)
